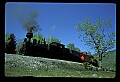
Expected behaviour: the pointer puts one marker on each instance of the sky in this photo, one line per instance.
(58, 20)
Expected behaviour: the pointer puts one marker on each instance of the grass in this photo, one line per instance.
(58, 73)
(109, 60)
(20, 66)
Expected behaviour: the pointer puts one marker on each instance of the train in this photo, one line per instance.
(54, 50)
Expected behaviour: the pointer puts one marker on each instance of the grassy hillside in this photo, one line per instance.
(19, 66)
(109, 60)
(38, 63)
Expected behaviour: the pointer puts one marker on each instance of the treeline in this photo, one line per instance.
(13, 45)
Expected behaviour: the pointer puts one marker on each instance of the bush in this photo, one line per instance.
(87, 65)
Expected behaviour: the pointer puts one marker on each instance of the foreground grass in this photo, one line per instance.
(20, 66)
(17, 72)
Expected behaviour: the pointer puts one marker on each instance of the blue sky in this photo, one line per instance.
(58, 19)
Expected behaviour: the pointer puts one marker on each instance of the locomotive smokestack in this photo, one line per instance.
(29, 35)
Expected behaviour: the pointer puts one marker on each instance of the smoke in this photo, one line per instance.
(27, 17)
(30, 23)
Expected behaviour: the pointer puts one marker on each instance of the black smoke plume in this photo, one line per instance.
(27, 18)
(30, 23)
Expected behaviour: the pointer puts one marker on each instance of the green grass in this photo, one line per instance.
(58, 73)
(20, 66)
(109, 60)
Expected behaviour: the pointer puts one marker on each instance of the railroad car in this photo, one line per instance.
(54, 50)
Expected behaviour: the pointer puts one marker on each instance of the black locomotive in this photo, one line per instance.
(53, 50)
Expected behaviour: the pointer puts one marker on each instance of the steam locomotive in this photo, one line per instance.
(54, 50)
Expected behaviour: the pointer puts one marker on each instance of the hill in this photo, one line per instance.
(19, 61)
(19, 66)
(109, 60)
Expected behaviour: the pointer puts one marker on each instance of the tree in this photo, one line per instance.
(94, 35)
(18, 48)
(38, 37)
(77, 49)
(89, 53)
(72, 47)
(11, 44)
(52, 39)
(6, 40)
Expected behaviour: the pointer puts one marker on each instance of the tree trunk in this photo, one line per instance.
(100, 64)
(100, 60)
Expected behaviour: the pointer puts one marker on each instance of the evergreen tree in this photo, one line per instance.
(11, 44)
(6, 40)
